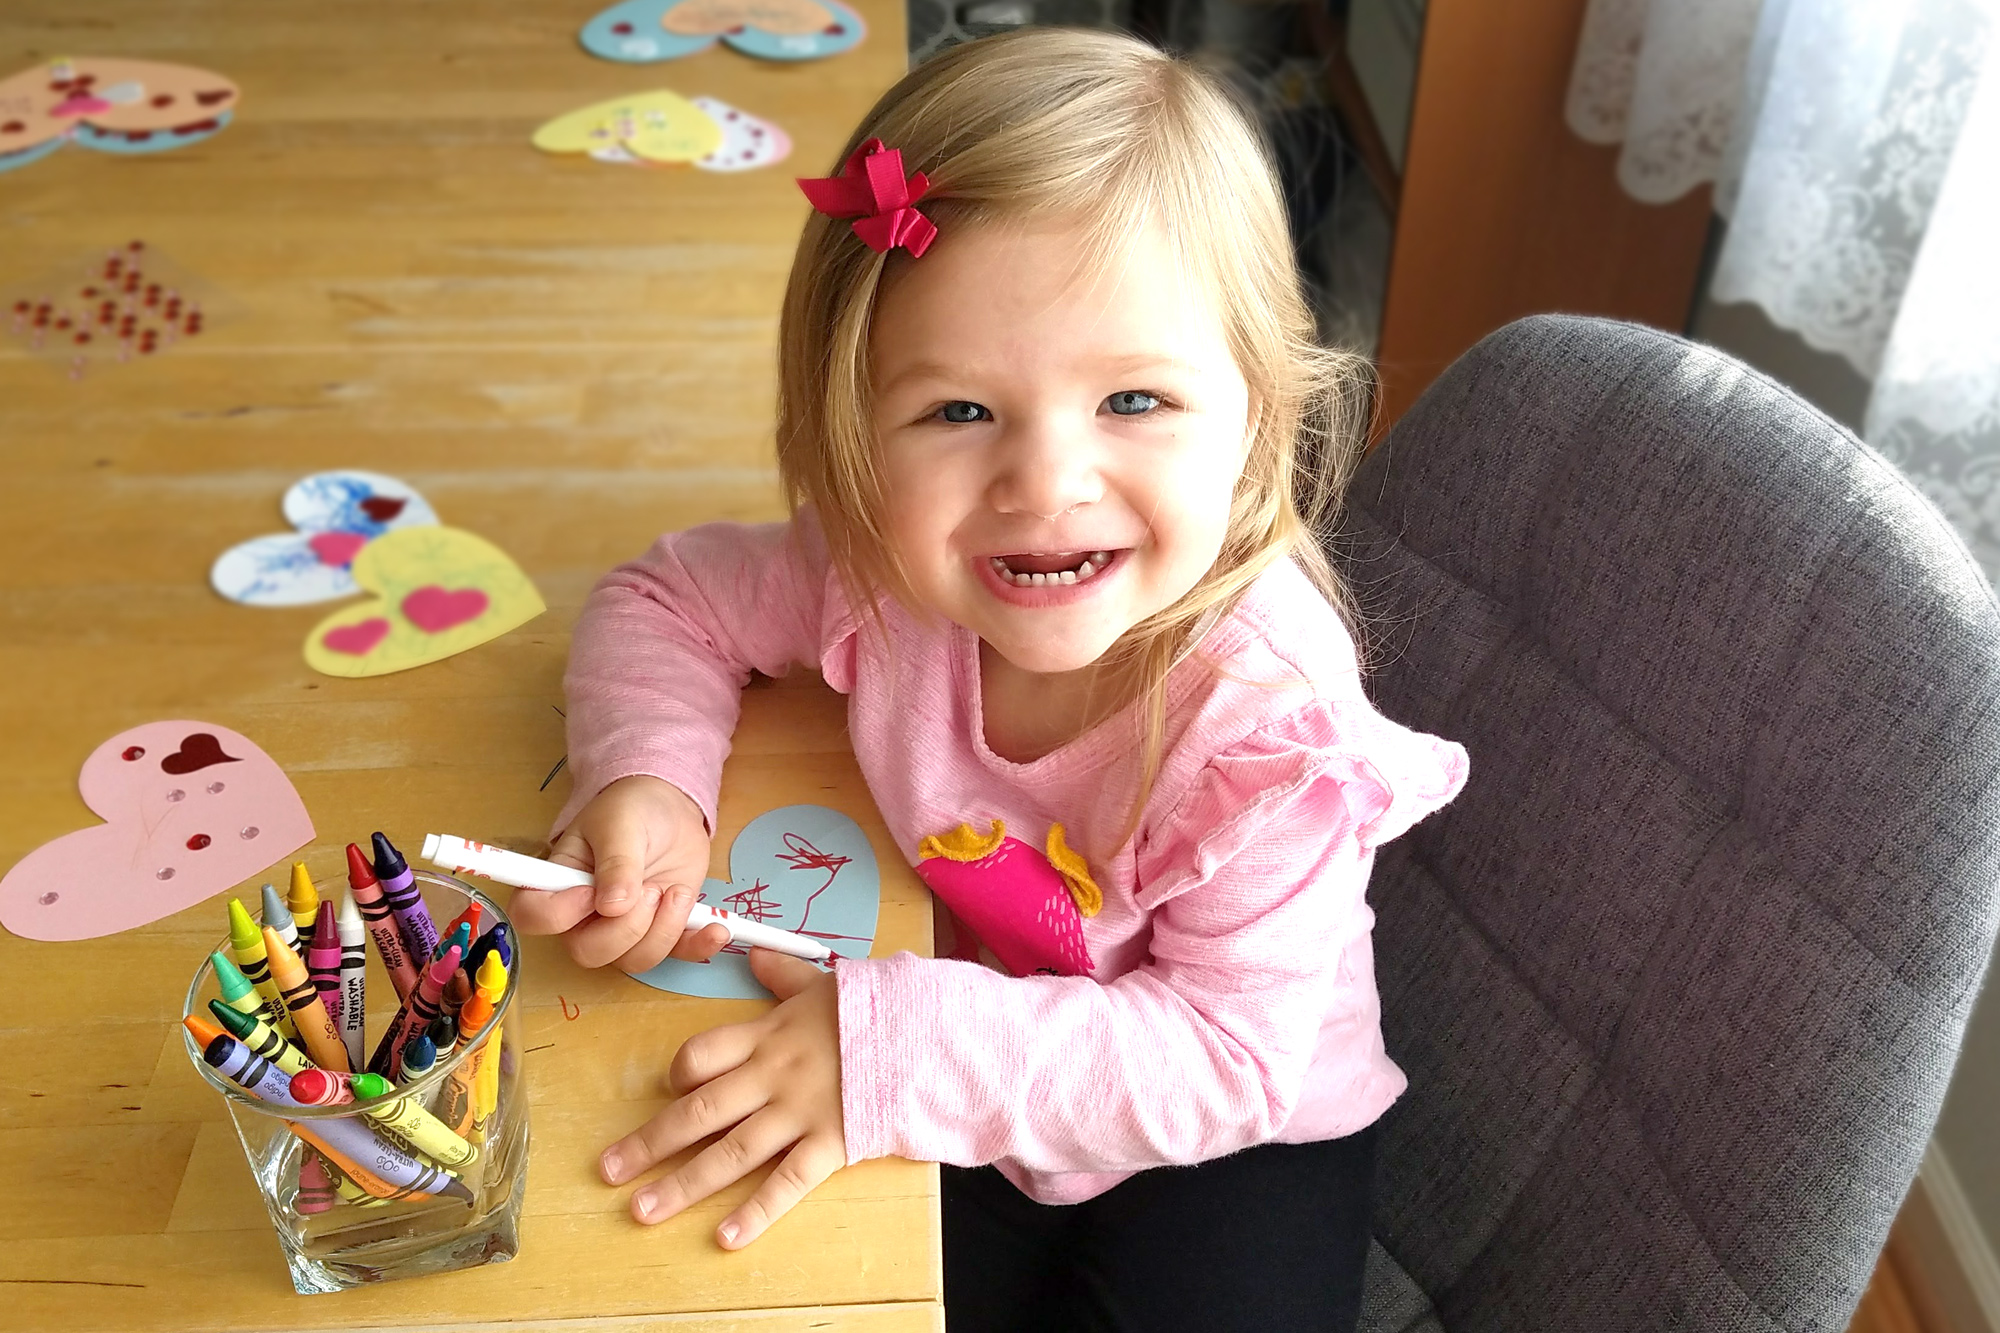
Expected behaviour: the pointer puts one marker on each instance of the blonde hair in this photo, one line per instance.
(1112, 133)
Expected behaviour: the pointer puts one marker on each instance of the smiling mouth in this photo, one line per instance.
(1039, 571)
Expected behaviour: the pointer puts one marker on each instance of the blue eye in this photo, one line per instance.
(1131, 403)
(962, 413)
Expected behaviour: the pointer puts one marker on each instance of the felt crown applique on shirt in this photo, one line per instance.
(1026, 907)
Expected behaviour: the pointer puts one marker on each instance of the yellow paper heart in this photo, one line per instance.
(783, 18)
(659, 126)
(438, 591)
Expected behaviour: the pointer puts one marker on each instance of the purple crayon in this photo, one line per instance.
(323, 960)
(405, 899)
(348, 1138)
(416, 1016)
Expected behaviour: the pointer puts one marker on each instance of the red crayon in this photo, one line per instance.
(381, 923)
(419, 1011)
(323, 960)
(322, 1087)
(470, 916)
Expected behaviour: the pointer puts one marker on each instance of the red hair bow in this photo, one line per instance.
(871, 190)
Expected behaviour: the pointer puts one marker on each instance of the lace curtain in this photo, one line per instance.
(1855, 150)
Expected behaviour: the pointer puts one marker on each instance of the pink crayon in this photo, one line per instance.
(419, 1011)
(316, 1191)
(323, 960)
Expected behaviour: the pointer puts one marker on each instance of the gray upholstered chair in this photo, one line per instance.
(1681, 976)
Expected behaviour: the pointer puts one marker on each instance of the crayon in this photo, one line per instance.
(279, 918)
(468, 918)
(353, 981)
(247, 943)
(302, 900)
(323, 962)
(456, 1101)
(416, 1126)
(351, 1144)
(486, 1087)
(382, 929)
(417, 1014)
(420, 1055)
(316, 1030)
(202, 1030)
(262, 1039)
(318, 1087)
(348, 1191)
(237, 992)
(456, 992)
(461, 935)
(316, 1192)
(406, 900)
(493, 940)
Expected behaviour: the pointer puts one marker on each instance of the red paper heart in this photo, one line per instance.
(433, 609)
(199, 751)
(336, 548)
(382, 508)
(359, 639)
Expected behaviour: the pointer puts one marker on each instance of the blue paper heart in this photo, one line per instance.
(159, 141)
(646, 41)
(802, 868)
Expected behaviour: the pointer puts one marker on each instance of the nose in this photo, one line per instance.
(1044, 470)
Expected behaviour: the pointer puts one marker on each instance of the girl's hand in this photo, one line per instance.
(775, 1080)
(647, 844)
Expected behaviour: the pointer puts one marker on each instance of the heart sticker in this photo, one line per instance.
(802, 868)
(643, 31)
(659, 126)
(336, 514)
(111, 105)
(438, 591)
(189, 808)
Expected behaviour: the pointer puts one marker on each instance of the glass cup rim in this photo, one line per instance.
(417, 1087)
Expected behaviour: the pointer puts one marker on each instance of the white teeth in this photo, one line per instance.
(1071, 575)
(1091, 566)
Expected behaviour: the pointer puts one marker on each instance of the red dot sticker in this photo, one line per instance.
(197, 842)
(134, 752)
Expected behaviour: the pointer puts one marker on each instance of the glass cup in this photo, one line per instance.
(361, 1239)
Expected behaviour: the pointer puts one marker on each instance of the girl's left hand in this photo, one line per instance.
(776, 1080)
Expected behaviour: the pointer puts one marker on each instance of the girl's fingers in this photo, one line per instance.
(698, 946)
(804, 1169)
(736, 1154)
(664, 933)
(605, 939)
(539, 913)
(570, 850)
(705, 1111)
(711, 1054)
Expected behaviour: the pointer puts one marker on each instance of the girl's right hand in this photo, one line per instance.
(647, 845)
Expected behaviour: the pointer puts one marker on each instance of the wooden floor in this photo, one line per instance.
(1887, 1308)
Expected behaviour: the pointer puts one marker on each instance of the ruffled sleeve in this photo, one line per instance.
(1389, 777)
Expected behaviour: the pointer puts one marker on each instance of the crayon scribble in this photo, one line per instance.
(571, 1017)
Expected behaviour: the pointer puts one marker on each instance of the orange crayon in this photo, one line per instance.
(316, 1027)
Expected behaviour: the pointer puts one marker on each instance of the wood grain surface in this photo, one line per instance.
(566, 357)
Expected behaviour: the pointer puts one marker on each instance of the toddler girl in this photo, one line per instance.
(1049, 406)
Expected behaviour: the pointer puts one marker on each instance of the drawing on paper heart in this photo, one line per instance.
(643, 31)
(438, 591)
(336, 514)
(189, 808)
(802, 868)
(111, 105)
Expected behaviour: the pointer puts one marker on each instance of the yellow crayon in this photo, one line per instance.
(349, 1191)
(416, 1126)
(317, 1029)
(459, 1098)
(303, 900)
(246, 941)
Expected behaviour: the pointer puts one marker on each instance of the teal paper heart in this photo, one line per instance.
(802, 868)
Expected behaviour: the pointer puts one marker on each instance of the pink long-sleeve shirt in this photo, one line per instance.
(1223, 996)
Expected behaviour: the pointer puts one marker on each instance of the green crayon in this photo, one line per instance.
(246, 941)
(260, 1037)
(237, 992)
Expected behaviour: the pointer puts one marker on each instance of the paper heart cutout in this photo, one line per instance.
(356, 640)
(660, 126)
(405, 563)
(169, 839)
(748, 142)
(643, 31)
(434, 610)
(802, 868)
(336, 514)
(115, 105)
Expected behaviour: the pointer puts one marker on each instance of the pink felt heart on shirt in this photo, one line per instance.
(357, 640)
(432, 609)
(190, 809)
(337, 548)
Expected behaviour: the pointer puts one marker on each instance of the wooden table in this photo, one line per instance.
(565, 356)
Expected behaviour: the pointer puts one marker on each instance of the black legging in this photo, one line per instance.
(1270, 1239)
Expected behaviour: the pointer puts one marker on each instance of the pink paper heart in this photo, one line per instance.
(169, 839)
(336, 548)
(433, 609)
(359, 639)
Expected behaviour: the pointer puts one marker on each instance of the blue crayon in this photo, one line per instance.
(405, 899)
(419, 1056)
(461, 935)
(496, 938)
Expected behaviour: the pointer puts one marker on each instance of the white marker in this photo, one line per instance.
(529, 872)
